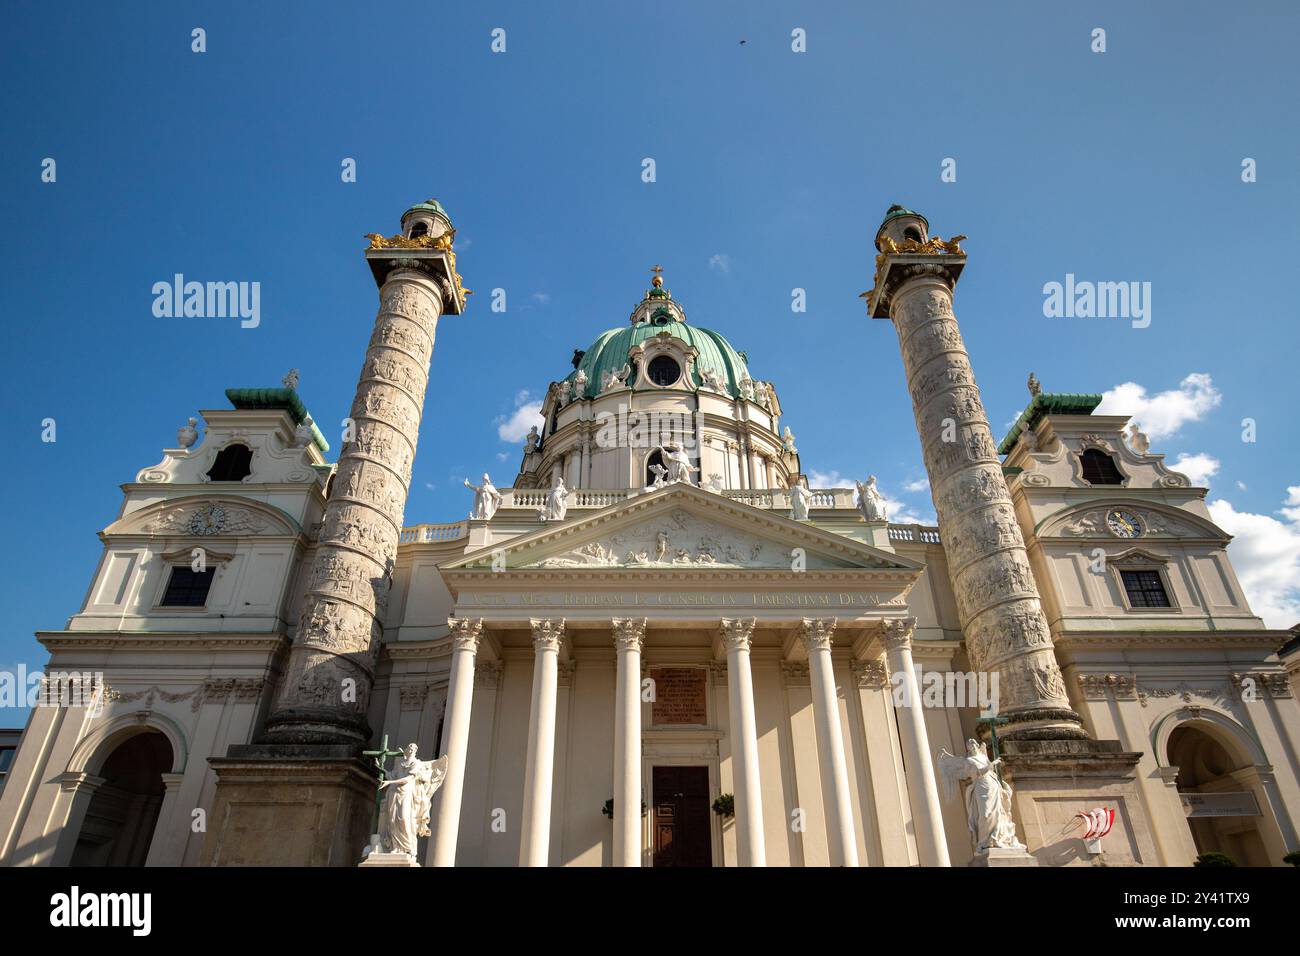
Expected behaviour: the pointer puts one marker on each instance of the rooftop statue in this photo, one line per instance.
(486, 499)
(870, 501)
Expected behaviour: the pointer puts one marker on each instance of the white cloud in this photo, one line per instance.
(827, 479)
(514, 427)
(502, 455)
(1241, 485)
(1200, 468)
(720, 262)
(1266, 555)
(1162, 414)
(921, 484)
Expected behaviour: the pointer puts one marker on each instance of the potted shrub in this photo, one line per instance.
(725, 805)
(1214, 860)
(608, 808)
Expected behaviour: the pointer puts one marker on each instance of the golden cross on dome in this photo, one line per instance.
(658, 279)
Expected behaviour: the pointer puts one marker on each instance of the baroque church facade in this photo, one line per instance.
(659, 646)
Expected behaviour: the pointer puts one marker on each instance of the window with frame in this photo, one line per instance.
(6, 759)
(1099, 468)
(188, 588)
(1145, 588)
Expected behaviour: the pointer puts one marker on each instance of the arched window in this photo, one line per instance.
(1099, 468)
(234, 463)
(911, 232)
(419, 229)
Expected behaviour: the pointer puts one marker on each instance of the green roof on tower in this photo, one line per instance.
(896, 210)
(432, 205)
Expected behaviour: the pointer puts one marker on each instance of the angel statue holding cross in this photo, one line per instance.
(404, 814)
(988, 797)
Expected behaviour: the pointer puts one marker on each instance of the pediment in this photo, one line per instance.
(1158, 521)
(204, 516)
(679, 528)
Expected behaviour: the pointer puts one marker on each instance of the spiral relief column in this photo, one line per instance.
(997, 599)
(305, 770)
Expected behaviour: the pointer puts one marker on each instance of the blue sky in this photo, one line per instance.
(773, 170)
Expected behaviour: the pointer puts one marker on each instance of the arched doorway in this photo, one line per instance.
(1223, 811)
(123, 811)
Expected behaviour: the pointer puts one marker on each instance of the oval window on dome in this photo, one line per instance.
(664, 370)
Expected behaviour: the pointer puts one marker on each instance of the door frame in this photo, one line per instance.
(652, 757)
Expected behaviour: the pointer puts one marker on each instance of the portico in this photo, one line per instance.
(625, 670)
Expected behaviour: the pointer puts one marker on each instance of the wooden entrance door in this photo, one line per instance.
(682, 834)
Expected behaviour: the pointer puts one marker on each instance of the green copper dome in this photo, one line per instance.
(609, 353)
(429, 205)
(896, 210)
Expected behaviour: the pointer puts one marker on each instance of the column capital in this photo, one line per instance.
(897, 634)
(816, 633)
(629, 633)
(736, 632)
(548, 634)
(465, 632)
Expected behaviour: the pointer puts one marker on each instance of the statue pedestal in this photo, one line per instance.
(376, 856)
(290, 805)
(996, 856)
(1052, 780)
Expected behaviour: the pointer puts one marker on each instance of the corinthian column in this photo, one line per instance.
(997, 598)
(735, 636)
(629, 635)
(841, 836)
(465, 636)
(927, 818)
(326, 689)
(535, 846)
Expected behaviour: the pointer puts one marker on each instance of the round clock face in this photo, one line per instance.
(1124, 524)
(208, 521)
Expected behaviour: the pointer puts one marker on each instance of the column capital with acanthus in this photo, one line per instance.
(897, 634)
(465, 632)
(548, 634)
(629, 633)
(736, 633)
(816, 633)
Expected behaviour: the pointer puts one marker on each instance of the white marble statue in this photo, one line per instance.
(187, 434)
(763, 394)
(486, 498)
(747, 388)
(787, 441)
(659, 471)
(580, 384)
(531, 440)
(714, 483)
(404, 814)
(607, 380)
(988, 799)
(290, 380)
(557, 503)
(303, 434)
(679, 464)
(800, 500)
(1137, 440)
(619, 378)
(870, 501)
(710, 379)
